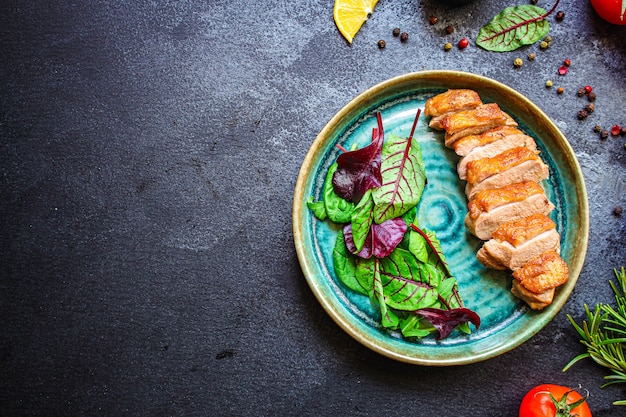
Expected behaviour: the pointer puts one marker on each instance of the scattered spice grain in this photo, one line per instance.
(591, 97)
(597, 128)
(618, 211)
(447, 46)
(382, 44)
(518, 62)
(616, 130)
(396, 32)
(433, 20)
(531, 56)
(582, 114)
(404, 37)
(560, 15)
(590, 108)
(604, 134)
(549, 84)
(449, 29)
(463, 43)
(560, 90)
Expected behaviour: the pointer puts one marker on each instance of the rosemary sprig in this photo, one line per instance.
(604, 334)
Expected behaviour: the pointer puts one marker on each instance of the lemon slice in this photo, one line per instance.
(350, 15)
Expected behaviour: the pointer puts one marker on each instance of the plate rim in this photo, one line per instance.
(435, 78)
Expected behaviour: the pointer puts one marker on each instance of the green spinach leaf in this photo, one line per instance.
(344, 264)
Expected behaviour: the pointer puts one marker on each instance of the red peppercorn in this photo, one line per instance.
(562, 70)
(463, 43)
(588, 89)
(615, 130)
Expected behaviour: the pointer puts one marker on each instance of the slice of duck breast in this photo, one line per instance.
(536, 301)
(543, 272)
(517, 242)
(494, 207)
(466, 144)
(494, 148)
(474, 121)
(449, 102)
(511, 166)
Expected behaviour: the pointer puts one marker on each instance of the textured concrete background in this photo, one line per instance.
(148, 154)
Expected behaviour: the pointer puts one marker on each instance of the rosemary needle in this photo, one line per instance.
(604, 334)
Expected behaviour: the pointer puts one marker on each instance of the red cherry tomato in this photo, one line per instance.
(613, 11)
(538, 402)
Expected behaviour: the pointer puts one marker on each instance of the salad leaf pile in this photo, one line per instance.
(372, 193)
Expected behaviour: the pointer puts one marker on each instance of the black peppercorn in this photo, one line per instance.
(618, 211)
(591, 97)
(382, 44)
(597, 128)
(582, 114)
(433, 20)
(559, 15)
(396, 32)
(604, 134)
(589, 108)
(449, 29)
(404, 37)
(622, 131)
(581, 92)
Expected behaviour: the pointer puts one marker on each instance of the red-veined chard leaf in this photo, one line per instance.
(408, 284)
(426, 247)
(345, 266)
(447, 320)
(403, 177)
(514, 27)
(381, 240)
(419, 239)
(361, 220)
(359, 170)
(338, 210)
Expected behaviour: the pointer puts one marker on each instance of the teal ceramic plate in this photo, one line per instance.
(506, 321)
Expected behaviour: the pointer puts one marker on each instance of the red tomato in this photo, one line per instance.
(613, 11)
(538, 403)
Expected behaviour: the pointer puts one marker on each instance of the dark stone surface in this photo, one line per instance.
(148, 154)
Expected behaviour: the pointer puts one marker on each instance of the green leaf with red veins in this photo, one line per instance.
(408, 284)
(513, 28)
(403, 178)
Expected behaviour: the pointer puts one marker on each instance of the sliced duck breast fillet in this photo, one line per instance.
(511, 166)
(492, 208)
(466, 144)
(542, 273)
(474, 121)
(494, 148)
(536, 301)
(517, 242)
(449, 102)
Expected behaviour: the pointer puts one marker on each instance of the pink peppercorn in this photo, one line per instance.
(615, 130)
(463, 43)
(588, 89)
(562, 70)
